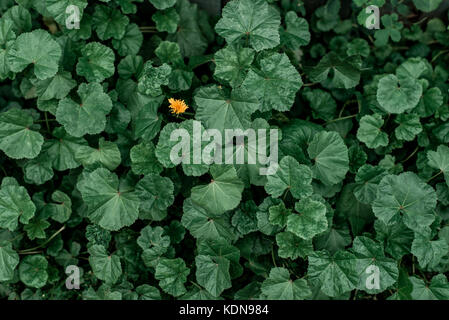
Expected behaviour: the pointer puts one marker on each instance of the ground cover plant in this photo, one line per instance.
(93, 207)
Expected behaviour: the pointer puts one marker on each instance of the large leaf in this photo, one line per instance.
(109, 206)
(36, 48)
(223, 193)
(405, 194)
(16, 129)
(440, 160)
(279, 286)
(330, 156)
(310, 219)
(105, 267)
(275, 84)
(9, 259)
(15, 206)
(253, 21)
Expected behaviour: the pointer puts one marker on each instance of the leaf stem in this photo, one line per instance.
(411, 155)
(44, 243)
(272, 257)
(342, 118)
(434, 176)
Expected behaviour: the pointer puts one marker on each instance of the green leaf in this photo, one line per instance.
(409, 127)
(292, 246)
(428, 252)
(9, 259)
(346, 71)
(254, 21)
(61, 209)
(370, 253)
(427, 5)
(440, 160)
(391, 29)
(396, 238)
(37, 48)
(36, 228)
(296, 33)
(96, 63)
(279, 214)
(57, 87)
(172, 274)
(291, 176)
(33, 271)
(367, 179)
(166, 21)
(279, 286)
(105, 267)
(330, 156)
(189, 147)
(232, 64)
(203, 224)
(310, 221)
(220, 109)
(109, 206)
(163, 4)
(62, 150)
(322, 103)
(370, 131)
(16, 129)
(15, 206)
(335, 274)
(213, 273)
(143, 159)
(156, 195)
(107, 154)
(87, 116)
(397, 95)
(223, 193)
(406, 194)
(109, 23)
(275, 84)
(437, 289)
(131, 42)
(152, 78)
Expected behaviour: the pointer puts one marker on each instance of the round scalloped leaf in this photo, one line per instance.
(291, 246)
(291, 176)
(254, 21)
(232, 64)
(275, 84)
(15, 206)
(105, 267)
(156, 195)
(96, 63)
(37, 48)
(57, 87)
(131, 42)
(220, 109)
(297, 33)
(427, 5)
(143, 159)
(107, 154)
(107, 205)
(406, 194)
(16, 130)
(370, 132)
(166, 21)
(310, 219)
(109, 23)
(87, 117)
(223, 193)
(213, 273)
(409, 127)
(371, 253)
(187, 147)
(163, 4)
(279, 286)
(9, 259)
(330, 156)
(33, 271)
(172, 274)
(335, 274)
(397, 95)
(440, 160)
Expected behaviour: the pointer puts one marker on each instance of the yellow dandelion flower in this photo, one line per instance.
(177, 106)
